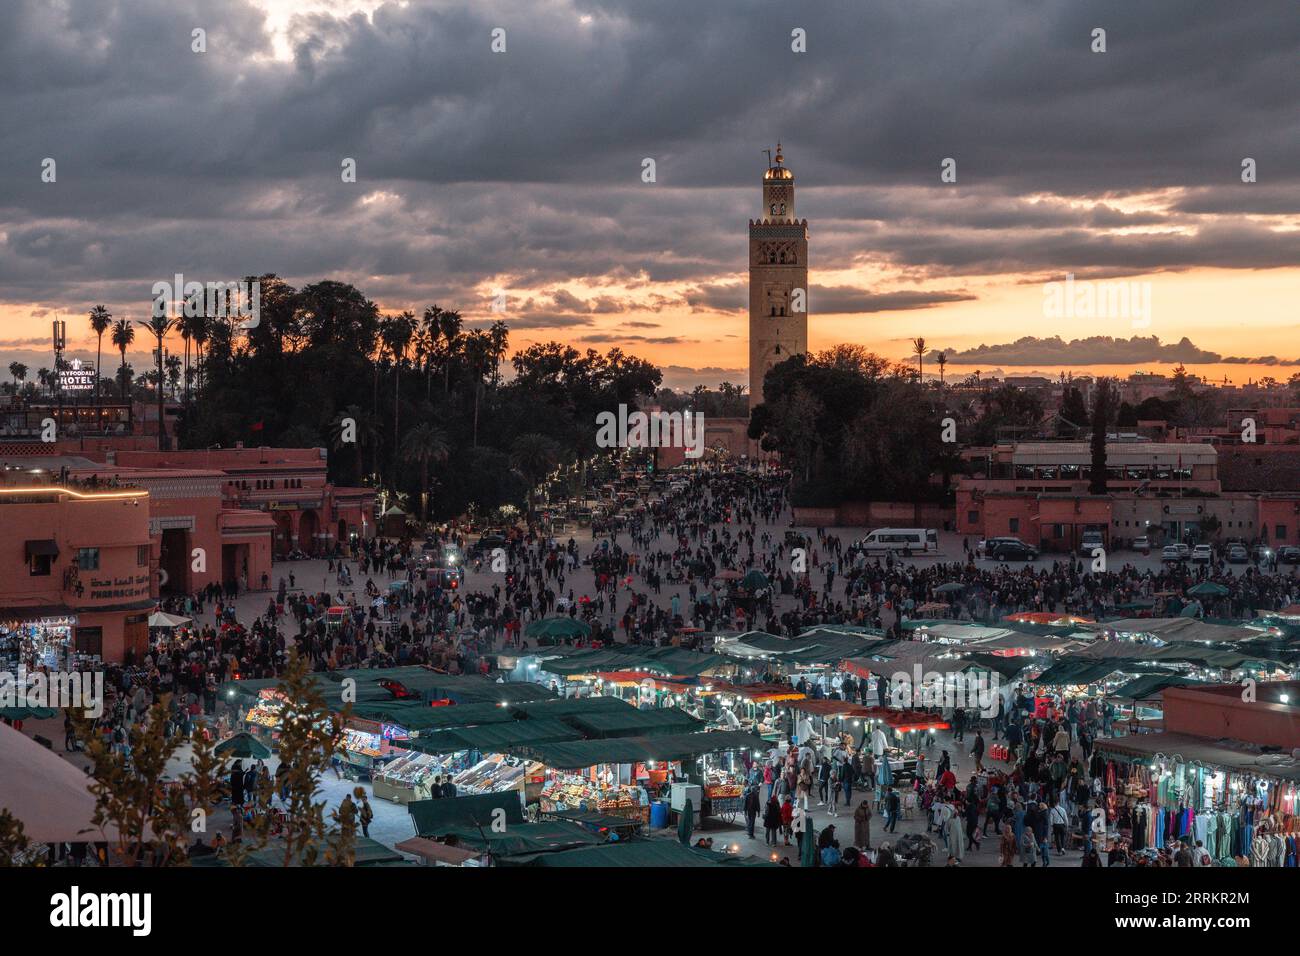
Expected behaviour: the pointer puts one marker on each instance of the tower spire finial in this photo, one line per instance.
(779, 158)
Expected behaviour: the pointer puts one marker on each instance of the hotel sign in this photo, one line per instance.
(77, 376)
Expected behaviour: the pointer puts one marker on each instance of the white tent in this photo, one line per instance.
(159, 619)
(46, 793)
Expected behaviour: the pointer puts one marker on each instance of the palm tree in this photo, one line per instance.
(122, 336)
(533, 456)
(44, 377)
(159, 326)
(19, 371)
(100, 321)
(184, 325)
(452, 342)
(942, 360)
(425, 443)
(918, 349)
(365, 434)
(396, 334)
(498, 336)
(478, 355)
(200, 332)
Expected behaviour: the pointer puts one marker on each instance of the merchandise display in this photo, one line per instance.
(494, 774)
(571, 792)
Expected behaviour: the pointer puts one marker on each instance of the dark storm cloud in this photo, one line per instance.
(840, 300)
(1100, 350)
(527, 165)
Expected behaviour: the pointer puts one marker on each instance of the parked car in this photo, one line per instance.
(989, 545)
(1174, 552)
(1288, 555)
(1202, 554)
(1090, 541)
(1142, 543)
(1013, 551)
(1237, 554)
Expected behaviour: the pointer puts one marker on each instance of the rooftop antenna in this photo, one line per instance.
(769, 157)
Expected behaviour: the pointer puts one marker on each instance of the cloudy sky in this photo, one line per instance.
(520, 172)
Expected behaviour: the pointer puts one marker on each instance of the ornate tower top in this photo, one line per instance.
(778, 171)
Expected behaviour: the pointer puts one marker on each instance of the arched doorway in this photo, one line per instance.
(308, 533)
(342, 539)
(283, 533)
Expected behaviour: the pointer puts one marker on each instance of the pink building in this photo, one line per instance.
(75, 570)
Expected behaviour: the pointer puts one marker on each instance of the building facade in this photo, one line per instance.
(76, 579)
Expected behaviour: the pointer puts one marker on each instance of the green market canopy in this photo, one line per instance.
(419, 717)
(580, 754)
(632, 722)
(433, 818)
(1149, 686)
(637, 853)
(548, 836)
(669, 661)
(493, 738)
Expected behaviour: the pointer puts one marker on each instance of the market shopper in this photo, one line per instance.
(751, 809)
(862, 825)
(772, 823)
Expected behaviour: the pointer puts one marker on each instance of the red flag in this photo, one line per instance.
(256, 426)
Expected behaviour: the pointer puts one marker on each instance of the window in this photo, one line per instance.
(972, 517)
(38, 565)
(88, 559)
(1280, 532)
(1015, 525)
(142, 556)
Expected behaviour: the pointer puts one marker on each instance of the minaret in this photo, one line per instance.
(778, 265)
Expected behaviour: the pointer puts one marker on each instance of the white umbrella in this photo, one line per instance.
(48, 794)
(159, 619)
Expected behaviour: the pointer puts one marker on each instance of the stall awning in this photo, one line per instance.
(434, 818)
(1149, 686)
(561, 706)
(419, 717)
(548, 836)
(635, 723)
(639, 853)
(757, 693)
(1236, 756)
(44, 547)
(580, 754)
(493, 738)
(437, 852)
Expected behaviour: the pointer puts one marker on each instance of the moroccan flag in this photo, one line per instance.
(256, 426)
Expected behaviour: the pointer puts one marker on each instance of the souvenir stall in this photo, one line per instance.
(41, 642)
(617, 776)
(1165, 788)
(411, 773)
(262, 718)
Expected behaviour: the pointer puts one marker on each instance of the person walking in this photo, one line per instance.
(771, 821)
(787, 819)
(977, 751)
(1007, 845)
(892, 804)
(1060, 819)
(367, 812)
(751, 810)
(862, 825)
(803, 789)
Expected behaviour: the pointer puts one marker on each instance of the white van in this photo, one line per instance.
(898, 540)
